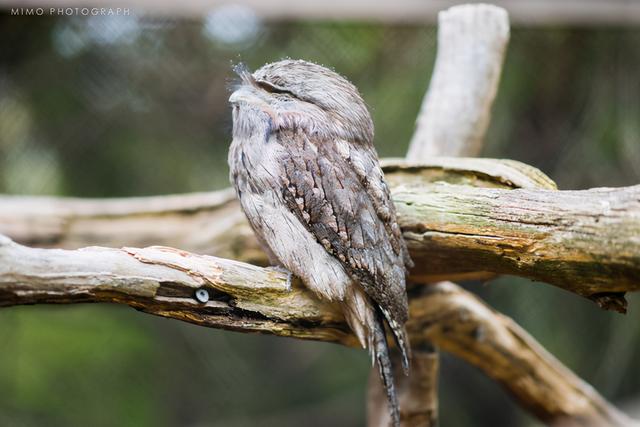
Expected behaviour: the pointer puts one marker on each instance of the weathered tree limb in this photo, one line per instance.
(196, 222)
(447, 101)
(583, 241)
(463, 86)
(207, 222)
(460, 323)
(246, 298)
(163, 281)
(452, 122)
(472, 40)
(586, 242)
(418, 392)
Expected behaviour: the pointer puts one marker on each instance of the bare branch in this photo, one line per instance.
(203, 222)
(164, 281)
(418, 392)
(583, 241)
(434, 136)
(456, 110)
(460, 323)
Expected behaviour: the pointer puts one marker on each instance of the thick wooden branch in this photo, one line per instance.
(163, 281)
(460, 323)
(583, 241)
(208, 222)
(452, 97)
(241, 297)
(418, 392)
(456, 110)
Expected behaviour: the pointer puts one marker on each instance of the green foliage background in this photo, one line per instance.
(101, 107)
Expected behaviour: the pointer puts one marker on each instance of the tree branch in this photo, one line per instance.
(208, 222)
(583, 241)
(418, 392)
(164, 281)
(452, 98)
(456, 110)
(460, 323)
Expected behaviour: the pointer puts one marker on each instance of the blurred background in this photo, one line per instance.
(129, 105)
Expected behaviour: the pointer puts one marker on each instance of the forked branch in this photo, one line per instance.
(459, 222)
(241, 297)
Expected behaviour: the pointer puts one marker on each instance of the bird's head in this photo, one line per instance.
(296, 94)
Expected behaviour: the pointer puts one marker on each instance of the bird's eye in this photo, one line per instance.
(271, 88)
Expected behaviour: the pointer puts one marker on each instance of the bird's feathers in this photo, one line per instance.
(308, 178)
(337, 191)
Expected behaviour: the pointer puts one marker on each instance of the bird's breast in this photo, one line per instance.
(256, 166)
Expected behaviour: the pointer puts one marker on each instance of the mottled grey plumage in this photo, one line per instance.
(308, 178)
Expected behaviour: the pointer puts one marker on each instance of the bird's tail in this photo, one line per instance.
(401, 339)
(380, 351)
(367, 320)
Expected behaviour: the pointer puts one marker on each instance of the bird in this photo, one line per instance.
(305, 169)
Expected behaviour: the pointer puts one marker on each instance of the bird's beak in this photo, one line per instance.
(235, 97)
(243, 94)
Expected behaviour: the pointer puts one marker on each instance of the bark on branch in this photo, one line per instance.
(461, 92)
(583, 241)
(456, 110)
(164, 281)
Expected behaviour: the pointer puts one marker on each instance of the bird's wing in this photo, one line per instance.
(337, 190)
